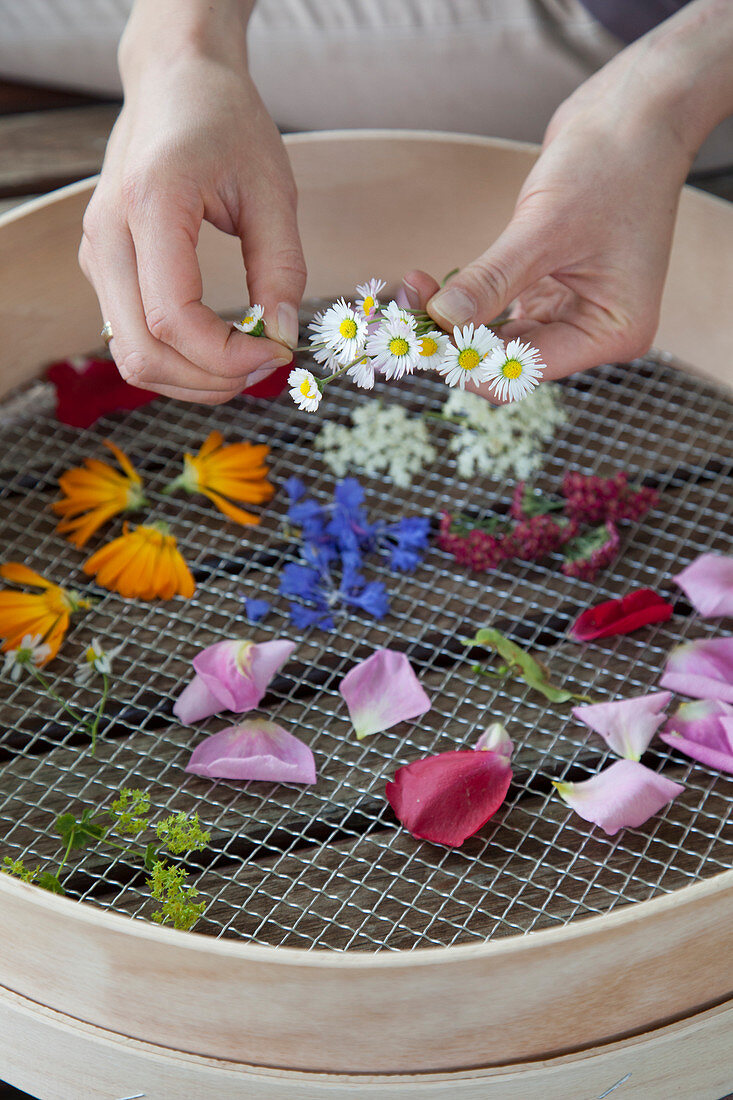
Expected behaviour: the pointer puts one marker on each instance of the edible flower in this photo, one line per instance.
(382, 691)
(708, 584)
(235, 471)
(514, 370)
(626, 794)
(621, 616)
(702, 668)
(256, 610)
(703, 730)
(95, 492)
(252, 323)
(143, 563)
(626, 725)
(231, 675)
(30, 651)
(96, 659)
(256, 750)
(467, 358)
(44, 615)
(446, 798)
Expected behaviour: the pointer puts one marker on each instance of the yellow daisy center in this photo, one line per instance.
(469, 359)
(428, 346)
(398, 346)
(305, 388)
(512, 368)
(91, 655)
(248, 320)
(347, 328)
(368, 305)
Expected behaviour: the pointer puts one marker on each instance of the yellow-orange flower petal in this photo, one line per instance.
(226, 473)
(46, 613)
(95, 492)
(144, 564)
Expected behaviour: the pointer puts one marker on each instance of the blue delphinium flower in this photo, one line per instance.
(255, 610)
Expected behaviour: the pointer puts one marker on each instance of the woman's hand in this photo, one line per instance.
(193, 142)
(585, 254)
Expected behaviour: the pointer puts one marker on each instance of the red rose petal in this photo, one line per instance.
(274, 384)
(622, 616)
(82, 396)
(448, 797)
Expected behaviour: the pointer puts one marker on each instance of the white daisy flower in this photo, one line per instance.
(466, 358)
(340, 329)
(368, 296)
(95, 659)
(252, 323)
(393, 314)
(304, 389)
(363, 373)
(394, 349)
(31, 651)
(432, 350)
(514, 371)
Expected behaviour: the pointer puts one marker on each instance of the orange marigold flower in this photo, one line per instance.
(145, 563)
(220, 471)
(94, 493)
(45, 614)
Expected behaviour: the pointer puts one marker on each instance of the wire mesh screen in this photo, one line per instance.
(328, 866)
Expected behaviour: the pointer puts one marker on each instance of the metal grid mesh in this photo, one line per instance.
(326, 866)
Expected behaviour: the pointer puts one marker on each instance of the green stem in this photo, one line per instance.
(78, 718)
(66, 856)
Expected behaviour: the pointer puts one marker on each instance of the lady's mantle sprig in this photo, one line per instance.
(371, 340)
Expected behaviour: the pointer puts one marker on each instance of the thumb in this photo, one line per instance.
(276, 272)
(485, 287)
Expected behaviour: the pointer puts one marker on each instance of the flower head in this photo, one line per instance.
(394, 348)
(30, 651)
(341, 329)
(143, 563)
(466, 359)
(45, 614)
(226, 472)
(304, 389)
(363, 373)
(514, 371)
(95, 492)
(252, 323)
(95, 659)
(368, 296)
(433, 346)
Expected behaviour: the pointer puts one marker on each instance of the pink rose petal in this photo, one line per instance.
(382, 691)
(239, 672)
(195, 703)
(254, 749)
(708, 584)
(704, 731)
(448, 797)
(496, 739)
(702, 668)
(628, 725)
(626, 794)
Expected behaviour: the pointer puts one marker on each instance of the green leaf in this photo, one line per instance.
(49, 882)
(462, 524)
(78, 834)
(582, 546)
(151, 855)
(537, 504)
(533, 673)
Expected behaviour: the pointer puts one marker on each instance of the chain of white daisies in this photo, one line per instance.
(369, 339)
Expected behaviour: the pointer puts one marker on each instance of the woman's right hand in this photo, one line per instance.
(193, 142)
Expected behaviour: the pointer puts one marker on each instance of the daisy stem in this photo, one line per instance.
(78, 718)
(100, 711)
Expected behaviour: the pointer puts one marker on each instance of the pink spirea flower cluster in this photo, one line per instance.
(593, 500)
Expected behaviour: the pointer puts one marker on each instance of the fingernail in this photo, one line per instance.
(287, 324)
(413, 298)
(453, 305)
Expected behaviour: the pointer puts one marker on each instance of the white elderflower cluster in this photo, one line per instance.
(505, 440)
(382, 440)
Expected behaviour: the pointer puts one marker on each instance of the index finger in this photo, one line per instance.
(165, 237)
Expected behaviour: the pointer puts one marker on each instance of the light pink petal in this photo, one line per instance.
(708, 584)
(196, 702)
(704, 731)
(626, 794)
(703, 669)
(496, 739)
(627, 725)
(238, 673)
(382, 691)
(255, 749)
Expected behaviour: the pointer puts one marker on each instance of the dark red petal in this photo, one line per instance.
(448, 797)
(621, 616)
(82, 396)
(274, 384)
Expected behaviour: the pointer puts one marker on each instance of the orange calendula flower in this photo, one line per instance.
(145, 563)
(94, 493)
(45, 614)
(220, 472)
